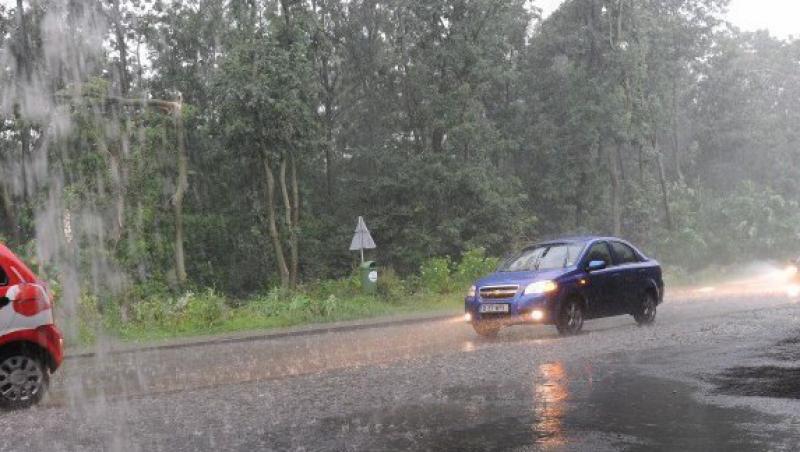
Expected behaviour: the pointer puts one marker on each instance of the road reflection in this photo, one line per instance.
(550, 394)
(468, 346)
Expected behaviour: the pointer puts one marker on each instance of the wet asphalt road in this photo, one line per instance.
(691, 382)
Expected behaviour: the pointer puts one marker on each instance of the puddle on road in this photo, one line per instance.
(476, 418)
(786, 350)
(766, 380)
(563, 409)
(761, 381)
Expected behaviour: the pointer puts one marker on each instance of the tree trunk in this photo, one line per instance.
(115, 163)
(122, 48)
(437, 140)
(180, 191)
(24, 73)
(290, 213)
(24, 57)
(579, 206)
(663, 183)
(295, 224)
(329, 150)
(8, 211)
(280, 258)
(674, 132)
(616, 215)
(25, 151)
(328, 81)
(639, 149)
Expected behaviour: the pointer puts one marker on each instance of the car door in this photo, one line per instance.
(6, 310)
(630, 278)
(603, 285)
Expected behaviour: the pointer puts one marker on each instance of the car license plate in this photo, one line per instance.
(495, 307)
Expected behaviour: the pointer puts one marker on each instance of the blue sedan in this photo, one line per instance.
(564, 282)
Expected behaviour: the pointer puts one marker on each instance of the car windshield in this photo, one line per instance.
(543, 257)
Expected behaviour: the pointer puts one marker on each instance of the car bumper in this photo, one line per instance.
(528, 310)
(54, 343)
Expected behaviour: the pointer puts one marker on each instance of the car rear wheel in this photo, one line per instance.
(646, 311)
(486, 329)
(23, 380)
(570, 319)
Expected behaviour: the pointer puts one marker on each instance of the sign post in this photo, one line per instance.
(362, 240)
(369, 270)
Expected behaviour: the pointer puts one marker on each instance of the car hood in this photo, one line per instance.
(520, 278)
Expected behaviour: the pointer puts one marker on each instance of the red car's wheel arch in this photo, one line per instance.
(46, 339)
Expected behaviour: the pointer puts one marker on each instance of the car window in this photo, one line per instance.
(3, 277)
(543, 257)
(599, 252)
(623, 253)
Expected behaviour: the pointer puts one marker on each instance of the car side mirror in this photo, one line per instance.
(596, 265)
(4, 301)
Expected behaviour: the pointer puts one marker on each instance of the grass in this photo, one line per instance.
(151, 312)
(207, 313)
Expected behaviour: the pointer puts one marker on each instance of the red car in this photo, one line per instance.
(31, 346)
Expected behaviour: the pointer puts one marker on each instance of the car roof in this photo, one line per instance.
(8, 258)
(578, 239)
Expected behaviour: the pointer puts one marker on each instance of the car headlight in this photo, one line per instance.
(471, 291)
(540, 287)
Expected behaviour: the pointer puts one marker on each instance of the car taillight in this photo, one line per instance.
(31, 300)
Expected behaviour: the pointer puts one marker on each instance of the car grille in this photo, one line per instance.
(498, 292)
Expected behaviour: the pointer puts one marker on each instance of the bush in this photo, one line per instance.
(473, 265)
(435, 275)
(313, 307)
(341, 288)
(89, 319)
(300, 302)
(329, 306)
(390, 286)
(270, 305)
(155, 311)
(206, 309)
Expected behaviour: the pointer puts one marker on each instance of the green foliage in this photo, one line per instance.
(90, 320)
(342, 288)
(473, 265)
(204, 309)
(435, 274)
(162, 318)
(189, 311)
(154, 311)
(391, 287)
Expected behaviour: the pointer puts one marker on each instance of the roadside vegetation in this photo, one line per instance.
(156, 312)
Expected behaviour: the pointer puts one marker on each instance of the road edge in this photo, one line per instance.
(264, 335)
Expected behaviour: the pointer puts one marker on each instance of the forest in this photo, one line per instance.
(230, 145)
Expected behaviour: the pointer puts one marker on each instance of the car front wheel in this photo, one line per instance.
(570, 319)
(23, 380)
(646, 311)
